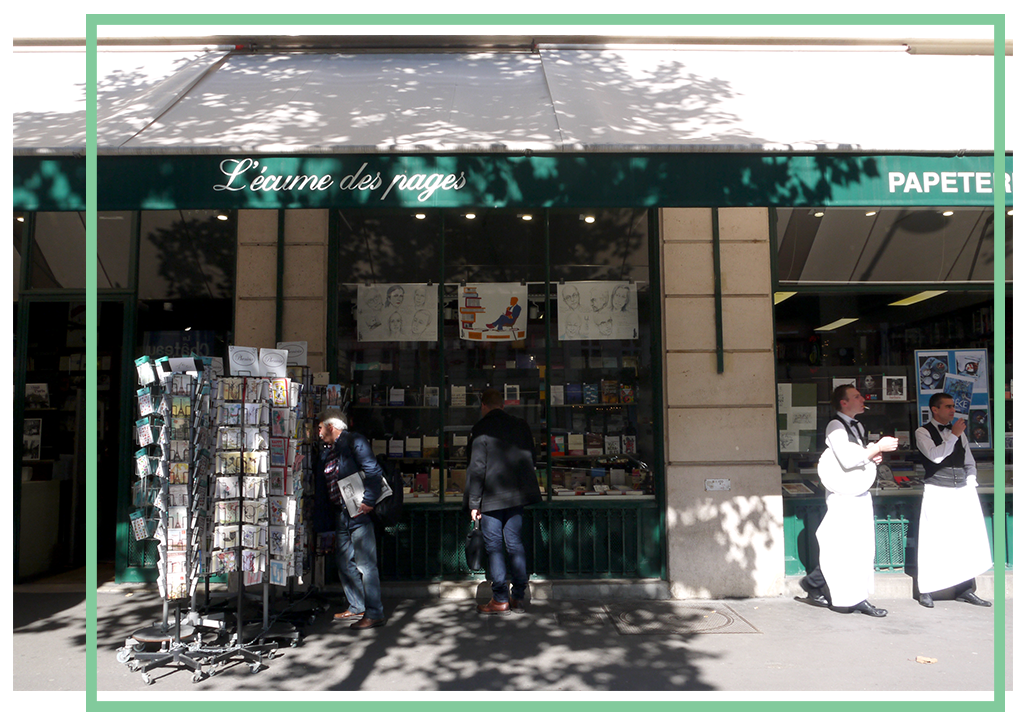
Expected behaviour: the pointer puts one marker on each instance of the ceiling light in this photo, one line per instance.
(871, 213)
(916, 298)
(22, 218)
(469, 216)
(526, 217)
(818, 214)
(222, 217)
(781, 296)
(1008, 213)
(947, 213)
(589, 218)
(420, 216)
(839, 323)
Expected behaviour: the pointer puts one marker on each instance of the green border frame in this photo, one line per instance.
(997, 704)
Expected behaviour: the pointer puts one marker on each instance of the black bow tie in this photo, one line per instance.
(945, 427)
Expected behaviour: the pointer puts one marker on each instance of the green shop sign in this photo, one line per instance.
(563, 180)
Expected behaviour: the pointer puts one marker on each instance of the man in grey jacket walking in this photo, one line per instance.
(501, 481)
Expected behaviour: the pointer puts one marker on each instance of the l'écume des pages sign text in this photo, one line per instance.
(561, 180)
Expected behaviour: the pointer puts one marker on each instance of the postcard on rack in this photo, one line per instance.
(298, 352)
(244, 361)
(273, 362)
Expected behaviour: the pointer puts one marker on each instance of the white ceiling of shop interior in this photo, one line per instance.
(577, 99)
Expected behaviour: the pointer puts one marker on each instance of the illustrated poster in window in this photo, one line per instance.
(397, 313)
(493, 312)
(597, 310)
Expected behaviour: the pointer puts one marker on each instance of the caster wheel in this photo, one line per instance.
(255, 668)
(271, 653)
(295, 644)
(147, 678)
(198, 676)
(138, 647)
(123, 656)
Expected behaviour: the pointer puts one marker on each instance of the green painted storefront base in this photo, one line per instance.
(895, 528)
(593, 540)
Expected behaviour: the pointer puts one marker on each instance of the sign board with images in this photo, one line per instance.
(963, 374)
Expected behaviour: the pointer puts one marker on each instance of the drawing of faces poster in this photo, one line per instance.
(597, 310)
(397, 313)
(963, 374)
(493, 312)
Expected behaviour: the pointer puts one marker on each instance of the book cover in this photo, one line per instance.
(609, 392)
(511, 394)
(627, 393)
(556, 394)
(558, 445)
(573, 393)
(594, 444)
(612, 445)
(576, 443)
(591, 393)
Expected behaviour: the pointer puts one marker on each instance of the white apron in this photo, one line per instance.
(846, 548)
(952, 542)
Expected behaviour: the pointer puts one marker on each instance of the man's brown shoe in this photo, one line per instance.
(368, 623)
(494, 606)
(347, 615)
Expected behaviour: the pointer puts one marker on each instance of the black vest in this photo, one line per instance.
(956, 459)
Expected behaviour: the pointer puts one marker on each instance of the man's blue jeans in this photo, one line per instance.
(357, 566)
(502, 528)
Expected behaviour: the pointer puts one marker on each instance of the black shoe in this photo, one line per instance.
(517, 605)
(925, 600)
(971, 598)
(813, 596)
(869, 609)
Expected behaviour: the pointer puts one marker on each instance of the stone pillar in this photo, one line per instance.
(304, 302)
(720, 425)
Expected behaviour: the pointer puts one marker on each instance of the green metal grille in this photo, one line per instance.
(890, 549)
(569, 542)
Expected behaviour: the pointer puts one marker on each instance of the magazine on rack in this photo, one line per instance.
(352, 492)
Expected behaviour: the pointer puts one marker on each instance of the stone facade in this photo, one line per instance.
(720, 425)
(304, 303)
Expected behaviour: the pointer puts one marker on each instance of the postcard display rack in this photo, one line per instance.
(219, 490)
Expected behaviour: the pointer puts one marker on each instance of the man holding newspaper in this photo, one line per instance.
(354, 483)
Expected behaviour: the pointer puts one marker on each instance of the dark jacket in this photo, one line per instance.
(354, 453)
(501, 470)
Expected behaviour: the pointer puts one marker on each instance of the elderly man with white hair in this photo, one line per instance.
(345, 453)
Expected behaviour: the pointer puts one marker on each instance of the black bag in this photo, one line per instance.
(387, 512)
(474, 548)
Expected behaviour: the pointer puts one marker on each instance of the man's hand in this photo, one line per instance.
(476, 514)
(364, 508)
(958, 427)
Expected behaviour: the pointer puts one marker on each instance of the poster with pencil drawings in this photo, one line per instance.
(597, 310)
(397, 313)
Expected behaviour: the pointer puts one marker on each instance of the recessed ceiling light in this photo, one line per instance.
(839, 323)
(420, 216)
(1008, 213)
(469, 216)
(818, 214)
(222, 217)
(916, 298)
(947, 213)
(590, 218)
(871, 213)
(526, 217)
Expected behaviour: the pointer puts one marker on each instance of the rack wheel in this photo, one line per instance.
(147, 678)
(123, 656)
(198, 676)
(255, 667)
(138, 647)
(272, 652)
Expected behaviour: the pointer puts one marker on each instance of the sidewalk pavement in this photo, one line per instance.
(442, 645)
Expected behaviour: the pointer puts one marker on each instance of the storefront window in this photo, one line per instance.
(846, 331)
(59, 251)
(186, 286)
(435, 307)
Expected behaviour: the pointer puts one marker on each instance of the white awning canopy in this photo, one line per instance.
(589, 99)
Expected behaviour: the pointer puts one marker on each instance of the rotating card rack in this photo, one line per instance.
(170, 496)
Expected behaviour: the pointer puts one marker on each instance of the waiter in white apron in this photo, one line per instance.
(847, 469)
(952, 544)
